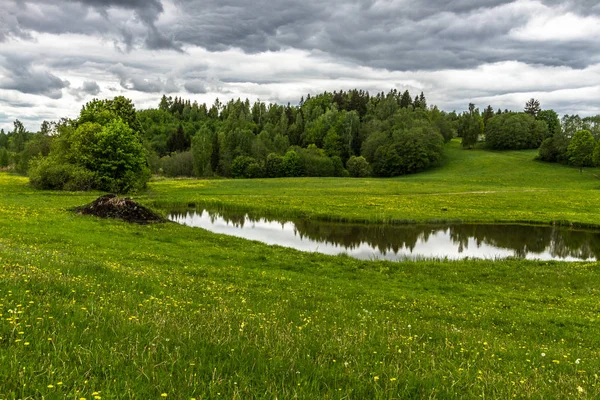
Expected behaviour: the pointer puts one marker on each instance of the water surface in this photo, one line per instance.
(401, 242)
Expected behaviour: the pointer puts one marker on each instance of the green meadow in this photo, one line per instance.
(102, 309)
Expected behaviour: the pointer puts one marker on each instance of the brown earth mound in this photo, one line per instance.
(113, 206)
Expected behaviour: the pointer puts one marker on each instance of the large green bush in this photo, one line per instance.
(358, 167)
(50, 173)
(177, 164)
(103, 145)
(515, 131)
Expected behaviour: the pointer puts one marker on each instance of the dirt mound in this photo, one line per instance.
(113, 206)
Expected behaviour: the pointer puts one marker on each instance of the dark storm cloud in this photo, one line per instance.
(19, 74)
(391, 34)
(90, 17)
(397, 35)
(89, 88)
(135, 79)
(195, 87)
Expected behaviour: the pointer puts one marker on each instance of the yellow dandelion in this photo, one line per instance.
(163, 395)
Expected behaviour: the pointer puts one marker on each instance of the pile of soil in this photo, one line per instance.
(113, 206)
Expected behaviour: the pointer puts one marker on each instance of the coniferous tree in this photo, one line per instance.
(406, 100)
(487, 114)
(422, 101)
(532, 107)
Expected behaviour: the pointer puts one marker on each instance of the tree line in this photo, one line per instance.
(111, 146)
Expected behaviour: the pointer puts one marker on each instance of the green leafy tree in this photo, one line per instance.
(514, 131)
(274, 166)
(202, 151)
(550, 117)
(4, 159)
(114, 153)
(581, 149)
(470, 127)
(291, 164)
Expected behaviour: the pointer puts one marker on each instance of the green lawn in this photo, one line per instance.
(96, 308)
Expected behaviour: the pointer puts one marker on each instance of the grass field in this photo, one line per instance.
(474, 186)
(96, 308)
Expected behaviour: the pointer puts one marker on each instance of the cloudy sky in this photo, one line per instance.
(57, 54)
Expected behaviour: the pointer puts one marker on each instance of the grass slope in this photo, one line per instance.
(95, 308)
(474, 186)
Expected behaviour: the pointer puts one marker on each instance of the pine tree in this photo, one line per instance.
(406, 100)
(487, 114)
(422, 101)
(532, 107)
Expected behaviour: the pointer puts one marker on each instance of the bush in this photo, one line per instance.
(515, 131)
(103, 145)
(338, 167)
(4, 158)
(290, 165)
(239, 167)
(274, 166)
(358, 167)
(48, 173)
(114, 152)
(255, 170)
(178, 164)
(554, 149)
(409, 152)
(581, 149)
(315, 163)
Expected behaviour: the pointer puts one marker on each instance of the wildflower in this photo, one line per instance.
(580, 389)
(50, 386)
(375, 378)
(543, 354)
(163, 395)
(578, 361)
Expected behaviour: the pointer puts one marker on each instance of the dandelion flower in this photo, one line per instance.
(163, 395)
(543, 354)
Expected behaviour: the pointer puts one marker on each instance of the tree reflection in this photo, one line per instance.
(523, 240)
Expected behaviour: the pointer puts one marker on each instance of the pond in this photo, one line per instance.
(402, 242)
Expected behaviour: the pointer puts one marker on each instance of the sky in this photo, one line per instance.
(56, 55)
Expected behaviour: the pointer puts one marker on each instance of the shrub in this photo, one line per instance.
(239, 167)
(515, 131)
(48, 173)
(290, 165)
(315, 163)
(178, 164)
(409, 152)
(581, 149)
(358, 167)
(274, 166)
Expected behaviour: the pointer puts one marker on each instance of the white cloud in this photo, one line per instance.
(556, 24)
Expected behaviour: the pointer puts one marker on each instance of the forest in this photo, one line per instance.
(111, 146)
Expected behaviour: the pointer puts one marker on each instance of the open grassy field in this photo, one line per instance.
(94, 308)
(471, 185)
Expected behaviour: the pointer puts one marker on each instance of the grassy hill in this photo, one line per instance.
(471, 185)
(96, 308)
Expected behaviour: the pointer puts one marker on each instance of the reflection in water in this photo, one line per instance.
(400, 242)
